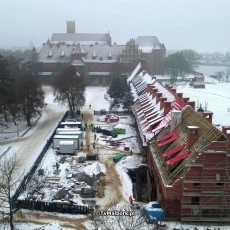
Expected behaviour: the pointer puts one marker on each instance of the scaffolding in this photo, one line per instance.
(206, 195)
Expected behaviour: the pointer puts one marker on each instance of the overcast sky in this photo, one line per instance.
(202, 25)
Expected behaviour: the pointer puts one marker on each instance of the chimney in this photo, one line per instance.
(175, 119)
(154, 91)
(191, 103)
(158, 95)
(192, 135)
(185, 99)
(207, 116)
(162, 100)
(180, 95)
(226, 131)
(149, 89)
(173, 90)
(167, 107)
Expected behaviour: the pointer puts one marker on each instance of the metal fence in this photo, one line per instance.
(119, 113)
(52, 206)
(29, 175)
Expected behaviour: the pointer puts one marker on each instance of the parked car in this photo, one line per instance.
(109, 133)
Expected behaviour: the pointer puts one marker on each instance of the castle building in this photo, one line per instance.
(94, 55)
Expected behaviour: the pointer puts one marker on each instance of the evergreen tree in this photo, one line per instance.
(128, 99)
(5, 83)
(115, 89)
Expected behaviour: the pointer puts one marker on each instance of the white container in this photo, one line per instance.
(66, 147)
(58, 138)
(58, 130)
(78, 133)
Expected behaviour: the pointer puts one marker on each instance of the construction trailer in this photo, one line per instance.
(70, 124)
(66, 147)
(58, 130)
(78, 132)
(58, 138)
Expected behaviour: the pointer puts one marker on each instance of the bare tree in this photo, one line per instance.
(176, 65)
(219, 75)
(9, 166)
(227, 74)
(69, 88)
(30, 95)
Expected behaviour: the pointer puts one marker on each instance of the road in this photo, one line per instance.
(28, 147)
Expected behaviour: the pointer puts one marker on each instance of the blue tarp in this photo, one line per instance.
(153, 212)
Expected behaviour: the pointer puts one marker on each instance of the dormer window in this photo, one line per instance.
(94, 55)
(50, 54)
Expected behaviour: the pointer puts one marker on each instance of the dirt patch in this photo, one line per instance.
(41, 219)
(114, 186)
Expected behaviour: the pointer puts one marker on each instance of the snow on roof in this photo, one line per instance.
(94, 169)
(130, 78)
(66, 143)
(79, 37)
(148, 43)
(165, 92)
(66, 137)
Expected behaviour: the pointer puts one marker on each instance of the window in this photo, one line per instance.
(50, 54)
(94, 55)
(196, 184)
(195, 200)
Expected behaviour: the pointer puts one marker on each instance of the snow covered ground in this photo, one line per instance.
(29, 145)
(216, 96)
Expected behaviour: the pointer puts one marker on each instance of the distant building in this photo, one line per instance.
(153, 52)
(95, 55)
(70, 26)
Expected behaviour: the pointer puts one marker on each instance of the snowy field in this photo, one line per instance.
(215, 98)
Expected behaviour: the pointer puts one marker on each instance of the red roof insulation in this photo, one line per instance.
(166, 136)
(173, 138)
(178, 158)
(173, 151)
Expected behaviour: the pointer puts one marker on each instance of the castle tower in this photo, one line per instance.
(70, 26)
(34, 55)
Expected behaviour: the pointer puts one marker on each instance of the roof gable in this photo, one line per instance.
(183, 159)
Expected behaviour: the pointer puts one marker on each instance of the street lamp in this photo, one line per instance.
(17, 129)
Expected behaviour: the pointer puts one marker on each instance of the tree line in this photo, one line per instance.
(181, 63)
(21, 95)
